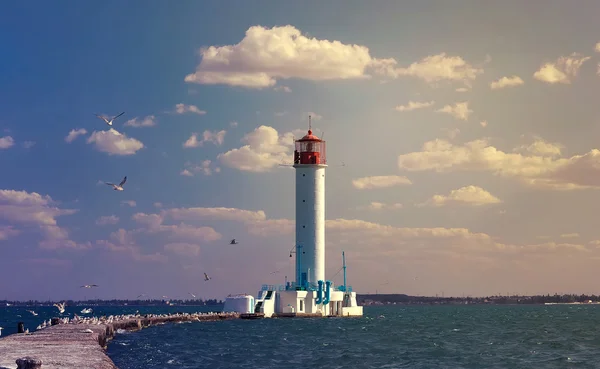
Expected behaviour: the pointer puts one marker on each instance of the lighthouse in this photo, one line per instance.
(311, 294)
(310, 161)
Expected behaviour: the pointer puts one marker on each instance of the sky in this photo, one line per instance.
(462, 144)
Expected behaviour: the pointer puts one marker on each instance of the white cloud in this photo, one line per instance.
(368, 183)
(451, 132)
(468, 195)
(265, 55)
(7, 232)
(597, 48)
(462, 89)
(107, 219)
(483, 123)
(74, 133)
(561, 71)
(182, 109)
(412, 105)
(376, 206)
(506, 82)
(459, 110)
(434, 68)
(183, 249)
(542, 148)
(6, 142)
(204, 168)
(28, 144)
(131, 203)
(215, 137)
(569, 235)
(233, 124)
(149, 121)
(282, 88)
(265, 150)
(576, 172)
(30, 209)
(114, 143)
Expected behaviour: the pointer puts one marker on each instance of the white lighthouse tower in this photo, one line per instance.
(311, 294)
(310, 161)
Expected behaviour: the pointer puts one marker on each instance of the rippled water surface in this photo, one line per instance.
(476, 336)
(559, 336)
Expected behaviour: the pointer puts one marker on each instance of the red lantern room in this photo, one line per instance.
(310, 149)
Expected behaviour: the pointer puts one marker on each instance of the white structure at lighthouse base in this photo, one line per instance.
(276, 299)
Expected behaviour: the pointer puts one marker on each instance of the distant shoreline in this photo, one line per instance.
(362, 299)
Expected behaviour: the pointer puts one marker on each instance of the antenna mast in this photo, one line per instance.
(344, 266)
(309, 123)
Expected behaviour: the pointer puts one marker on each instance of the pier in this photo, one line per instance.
(81, 344)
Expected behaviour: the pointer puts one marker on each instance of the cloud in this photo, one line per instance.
(562, 71)
(459, 110)
(215, 137)
(183, 249)
(123, 242)
(74, 133)
(109, 219)
(233, 124)
(451, 132)
(148, 121)
(265, 149)
(542, 171)
(204, 168)
(506, 82)
(412, 105)
(7, 232)
(377, 206)
(283, 88)
(265, 55)
(28, 144)
(569, 235)
(462, 89)
(542, 148)
(483, 123)
(6, 142)
(33, 212)
(182, 109)
(434, 68)
(368, 183)
(114, 143)
(468, 195)
(597, 48)
(131, 203)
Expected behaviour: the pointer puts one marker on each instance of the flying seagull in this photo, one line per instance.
(109, 122)
(60, 307)
(89, 286)
(33, 312)
(191, 294)
(233, 242)
(118, 187)
(206, 277)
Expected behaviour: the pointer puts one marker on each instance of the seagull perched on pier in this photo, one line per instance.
(206, 277)
(1, 331)
(233, 242)
(109, 122)
(89, 286)
(118, 187)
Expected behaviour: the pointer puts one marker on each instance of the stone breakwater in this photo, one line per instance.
(81, 342)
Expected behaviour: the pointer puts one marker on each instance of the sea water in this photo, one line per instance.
(452, 336)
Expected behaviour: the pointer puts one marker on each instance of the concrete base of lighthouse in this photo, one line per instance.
(280, 300)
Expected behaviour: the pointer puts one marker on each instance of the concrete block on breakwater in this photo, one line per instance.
(80, 345)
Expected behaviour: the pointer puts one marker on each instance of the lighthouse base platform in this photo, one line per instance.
(278, 301)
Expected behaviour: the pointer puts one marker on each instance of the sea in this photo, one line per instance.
(424, 336)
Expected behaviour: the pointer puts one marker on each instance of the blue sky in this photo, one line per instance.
(527, 205)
